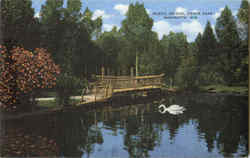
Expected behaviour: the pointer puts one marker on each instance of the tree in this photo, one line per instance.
(136, 28)
(186, 75)
(22, 73)
(73, 9)
(74, 43)
(174, 46)
(93, 26)
(52, 27)
(18, 24)
(79, 30)
(111, 45)
(198, 44)
(229, 41)
(71, 28)
(126, 56)
(68, 34)
(243, 12)
(207, 54)
(243, 17)
(242, 22)
(208, 45)
(226, 29)
(150, 59)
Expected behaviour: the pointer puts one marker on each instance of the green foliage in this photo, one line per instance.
(150, 57)
(207, 46)
(111, 44)
(18, 24)
(74, 8)
(68, 33)
(174, 46)
(222, 89)
(126, 55)
(137, 27)
(226, 29)
(243, 15)
(243, 12)
(80, 48)
(137, 23)
(186, 76)
(66, 86)
(241, 72)
(93, 26)
(207, 56)
(229, 42)
(52, 27)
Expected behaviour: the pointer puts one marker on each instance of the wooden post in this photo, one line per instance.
(106, 89)
(95, 92)
(131, 72)
(112, 89)
(103, 72)
(136, 63)
(132, 75)
(134, 82)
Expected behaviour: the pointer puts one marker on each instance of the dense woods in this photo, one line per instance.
(78, 46)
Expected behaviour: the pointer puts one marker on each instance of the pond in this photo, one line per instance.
(211, 126)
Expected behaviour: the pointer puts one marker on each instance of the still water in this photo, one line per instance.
(211, 126)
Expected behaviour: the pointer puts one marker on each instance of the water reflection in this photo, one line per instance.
(212, 125)
(77, 133)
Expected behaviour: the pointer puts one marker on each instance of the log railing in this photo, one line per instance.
(105, 86)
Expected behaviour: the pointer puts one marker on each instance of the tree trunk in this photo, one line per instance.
(136, 64)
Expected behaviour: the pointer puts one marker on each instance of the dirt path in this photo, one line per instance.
(86, 97)
(53, 98)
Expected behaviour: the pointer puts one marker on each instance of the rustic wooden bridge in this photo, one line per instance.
(107, 86)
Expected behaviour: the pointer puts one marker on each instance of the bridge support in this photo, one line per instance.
(103, 72)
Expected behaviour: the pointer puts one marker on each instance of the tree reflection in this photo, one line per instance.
(219, 120)
(78, 134)
(222, 120)
(141, 137)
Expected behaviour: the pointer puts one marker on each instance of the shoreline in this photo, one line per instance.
(47, 110)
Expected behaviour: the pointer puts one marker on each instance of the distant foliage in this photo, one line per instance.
(18, 23)
(229, 43)
(77, 44)
(67, 85)
(173, 46)
(243, 12)
(187, 72)
(22, 72)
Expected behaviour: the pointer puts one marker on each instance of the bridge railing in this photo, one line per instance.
(119, 82)
(106, 85)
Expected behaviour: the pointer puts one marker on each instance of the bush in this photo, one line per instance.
(23, 73)
(66, 86)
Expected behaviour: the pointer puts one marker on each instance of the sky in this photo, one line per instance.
(162, 12)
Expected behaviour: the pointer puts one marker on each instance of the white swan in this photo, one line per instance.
(173, 109)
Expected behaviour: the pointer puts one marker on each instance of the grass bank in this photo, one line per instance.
(225, 89)
(214, 89)
(53, 103)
